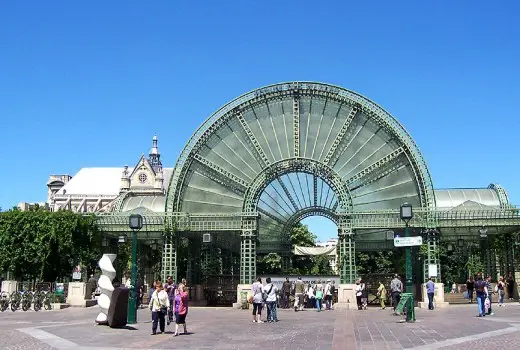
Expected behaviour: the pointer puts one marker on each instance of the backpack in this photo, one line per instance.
(332, 290)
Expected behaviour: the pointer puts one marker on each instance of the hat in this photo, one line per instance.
(328, 280)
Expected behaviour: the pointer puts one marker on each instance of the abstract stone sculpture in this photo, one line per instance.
(105, 286)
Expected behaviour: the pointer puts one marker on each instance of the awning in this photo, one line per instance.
(314, 250)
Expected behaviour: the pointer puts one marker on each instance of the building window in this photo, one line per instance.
(142, 178)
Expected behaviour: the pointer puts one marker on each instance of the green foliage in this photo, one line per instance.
(321, 266)
(270, 264)
(43, 245)
(379, 262)
(301, 236)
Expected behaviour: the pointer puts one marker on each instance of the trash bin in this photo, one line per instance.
(407, 302)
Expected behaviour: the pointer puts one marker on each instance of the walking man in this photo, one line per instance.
(286, 292)
(396, 288)
(481, 293)
(430, 290)
(490, 293)
(298, 294)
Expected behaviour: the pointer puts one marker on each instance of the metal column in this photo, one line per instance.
(347, 255)
(247, 256)
(432, 255)
(169, 258)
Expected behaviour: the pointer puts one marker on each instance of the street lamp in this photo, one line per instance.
(406, 214)
(135, 223)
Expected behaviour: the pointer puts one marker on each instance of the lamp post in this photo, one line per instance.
(406, 214)
(135, 223)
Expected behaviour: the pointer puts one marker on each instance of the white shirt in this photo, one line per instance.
(327, 289)
(257, 292)
(159, 300)
(358, 290)
(310, 292)
(271, 296)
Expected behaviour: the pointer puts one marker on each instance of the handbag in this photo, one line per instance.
(266, 295)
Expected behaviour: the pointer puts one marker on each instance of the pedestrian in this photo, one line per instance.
(396, 288)
(359, 294)
(481, 295)
(311, 297)
(299, 294)
(319, 295)
(257, 300)
(159, 305)
(170, 289)
(381, 293)
(510, 282)
(270, 298)
(286, 292)
(500, 289)
(490, 293)
(430, 291)
(364, 294)
(328, 295)
(470, 286)
(181, 308)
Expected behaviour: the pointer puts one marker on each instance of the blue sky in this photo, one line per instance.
(86, 84)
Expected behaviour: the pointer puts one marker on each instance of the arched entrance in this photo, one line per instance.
(267, 158)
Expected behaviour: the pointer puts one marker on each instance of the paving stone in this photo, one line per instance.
(212, 328)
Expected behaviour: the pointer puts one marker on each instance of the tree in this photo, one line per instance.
(270, 264)
(43, 245)
(301, 236)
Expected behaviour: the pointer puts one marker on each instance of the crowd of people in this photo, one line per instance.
(295, 294)
(166, 302)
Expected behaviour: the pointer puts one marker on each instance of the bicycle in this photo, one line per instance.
(4, 301)
(15, 300)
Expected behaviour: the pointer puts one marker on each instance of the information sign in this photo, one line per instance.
(407, 241)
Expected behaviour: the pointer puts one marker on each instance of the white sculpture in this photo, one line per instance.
(105, 286)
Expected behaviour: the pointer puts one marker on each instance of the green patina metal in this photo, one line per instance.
(278, 154)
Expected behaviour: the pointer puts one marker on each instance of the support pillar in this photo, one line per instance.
(486, 256)
(347, 256)
(169, 257)
(432, 256)
(247, 256)
(509, 255)
(286, 263)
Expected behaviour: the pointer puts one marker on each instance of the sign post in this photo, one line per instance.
(407, 241)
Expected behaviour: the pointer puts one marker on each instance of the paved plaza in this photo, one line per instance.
(225, 328)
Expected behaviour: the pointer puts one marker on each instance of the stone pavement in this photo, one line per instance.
(224, 328)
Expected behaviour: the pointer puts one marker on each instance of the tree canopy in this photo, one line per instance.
(43, 245)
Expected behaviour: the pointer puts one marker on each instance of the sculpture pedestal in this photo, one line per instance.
(242, 291)
(9, 286)
(346, 297)
(76, 294)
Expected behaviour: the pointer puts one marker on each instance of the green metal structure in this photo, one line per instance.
(279, 154)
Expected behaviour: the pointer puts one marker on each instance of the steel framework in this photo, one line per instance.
(278, 154)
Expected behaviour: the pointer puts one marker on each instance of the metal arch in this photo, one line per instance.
(310, 166)
(307, 212)
(503, 198)
(369, 108)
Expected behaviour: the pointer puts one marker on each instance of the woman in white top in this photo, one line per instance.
(159, 305)
(311, 299)
(257, 300)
